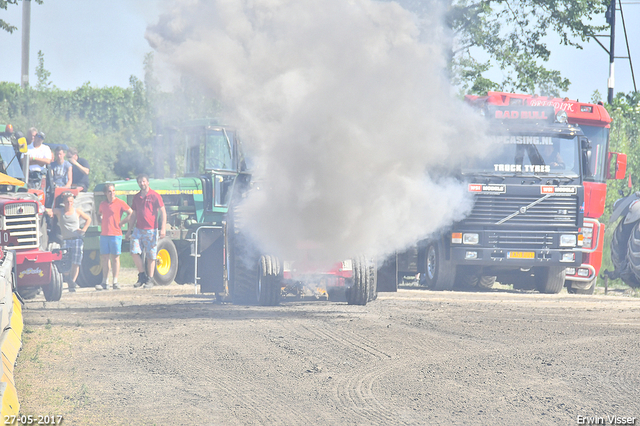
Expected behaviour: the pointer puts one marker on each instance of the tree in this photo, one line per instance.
(510, 34)
(42, 73)
(4, 25)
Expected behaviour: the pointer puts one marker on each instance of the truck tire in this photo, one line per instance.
(166, 262)
(633, 258)
(90, 270)
(619, 253)
(269, 285)
(53, 291)
(589, 289)
(439, 273)
(360, 291)
(486, 282)
(550, 280)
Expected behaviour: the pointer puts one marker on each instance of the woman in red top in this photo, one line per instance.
(111, 223)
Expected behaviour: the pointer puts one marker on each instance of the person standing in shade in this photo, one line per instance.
(147, 204)
(69, 222)
(62, 171)
(111, 223)
(80, 170)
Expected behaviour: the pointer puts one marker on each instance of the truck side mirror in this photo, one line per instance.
(620, 161)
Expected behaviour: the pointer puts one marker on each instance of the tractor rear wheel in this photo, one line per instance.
(90, 270)
(633, 258)
(619, 253)
(166, 262)
(360, 290)
(486, 282)
(269, 285)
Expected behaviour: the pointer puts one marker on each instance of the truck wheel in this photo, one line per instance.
(269, 284)
(550, 280)
(440, 273)
(633, 258)
(589, 288)
(53, 291)
(486, 282)
(90, 270)
(359, 292)
(619, 253)
(166, 262)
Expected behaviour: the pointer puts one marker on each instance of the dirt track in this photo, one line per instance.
(166, 356)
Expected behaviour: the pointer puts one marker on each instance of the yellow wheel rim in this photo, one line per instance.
(163, 262)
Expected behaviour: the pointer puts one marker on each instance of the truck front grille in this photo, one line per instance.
(554, 212)
(519, 240)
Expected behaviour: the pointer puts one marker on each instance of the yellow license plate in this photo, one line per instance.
(521, 255)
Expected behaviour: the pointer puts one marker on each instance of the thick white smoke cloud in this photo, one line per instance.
(345, 111)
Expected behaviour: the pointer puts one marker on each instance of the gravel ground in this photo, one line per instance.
(167, 356)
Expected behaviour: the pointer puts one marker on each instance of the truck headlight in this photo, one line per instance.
(470, 238)
(568, 240)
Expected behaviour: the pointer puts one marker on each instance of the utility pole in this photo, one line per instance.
(26, 24)
(611, 19)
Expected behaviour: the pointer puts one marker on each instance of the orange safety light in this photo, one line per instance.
(9, 128)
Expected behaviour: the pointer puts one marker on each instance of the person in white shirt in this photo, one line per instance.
(40, 155)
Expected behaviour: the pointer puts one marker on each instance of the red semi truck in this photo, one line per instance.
(595, 122)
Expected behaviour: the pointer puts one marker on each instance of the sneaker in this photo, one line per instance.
(100, 287)
(150, 283)
(72, 287)
(142, 279)
(116, 286)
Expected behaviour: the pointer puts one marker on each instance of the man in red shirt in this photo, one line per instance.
(144, 238)
(111, 221)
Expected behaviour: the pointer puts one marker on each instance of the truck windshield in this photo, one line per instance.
(219, 150)
(524, 154)
(9, 164)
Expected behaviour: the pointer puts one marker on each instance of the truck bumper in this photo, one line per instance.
(507, 259)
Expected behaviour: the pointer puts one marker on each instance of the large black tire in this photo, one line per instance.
(360, 290)
(166, 262)
(550, 280)
(53, 291)
(466, 280)
(243, 269)
(590, 289)
(619, 253)
(373, 281)
(439, 272)
(269, 285)
(486, 282)
(90, 270)
(633, 258)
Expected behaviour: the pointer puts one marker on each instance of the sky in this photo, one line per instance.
(103, 43)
